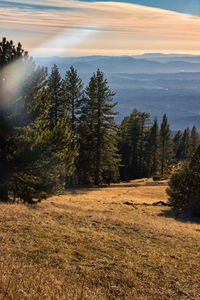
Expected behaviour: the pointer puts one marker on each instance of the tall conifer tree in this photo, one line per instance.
(8, 54)
(72, 89)
(72, 95)
(165, 144)
(194, 138)
(55, 95)
(133, 145)
(178, 145)
(185, 145)
(98, 151)
(153, 149)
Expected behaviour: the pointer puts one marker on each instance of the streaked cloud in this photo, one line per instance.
(107, 27)
(32, 6)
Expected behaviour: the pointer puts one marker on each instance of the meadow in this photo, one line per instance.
(100, 243)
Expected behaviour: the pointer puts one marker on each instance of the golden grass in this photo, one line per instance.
(87, 244)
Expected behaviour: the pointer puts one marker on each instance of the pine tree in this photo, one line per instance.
(178, 145)
(166, 144)
(40, 160)
(125, 147)
(72, 95)
(8, 53)
(153, 149)
(72, 89)
(143, 139)
(194, 138)
(98, 152)
(186, 143)
(133, 145)
(87, 135)
(55, 96)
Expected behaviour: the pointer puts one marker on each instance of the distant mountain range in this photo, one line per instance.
(155, 83)
(150, 64)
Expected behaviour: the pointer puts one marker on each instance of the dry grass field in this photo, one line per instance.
(92, 244)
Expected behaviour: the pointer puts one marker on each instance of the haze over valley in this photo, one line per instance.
(155, 83)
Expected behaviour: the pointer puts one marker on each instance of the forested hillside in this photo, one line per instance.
(56, 132)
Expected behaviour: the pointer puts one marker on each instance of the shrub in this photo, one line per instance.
(184, 185)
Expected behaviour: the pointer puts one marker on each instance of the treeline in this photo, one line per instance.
(147, 149)
(55, 133)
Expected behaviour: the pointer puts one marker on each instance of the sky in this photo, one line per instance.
(75, 28)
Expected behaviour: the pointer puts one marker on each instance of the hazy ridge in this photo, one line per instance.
(155, 83)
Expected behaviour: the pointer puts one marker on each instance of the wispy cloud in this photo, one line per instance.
(33, 6)
(120, 28)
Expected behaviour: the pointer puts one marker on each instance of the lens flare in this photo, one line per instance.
(14, 75)
(62, 43)
(11, 80)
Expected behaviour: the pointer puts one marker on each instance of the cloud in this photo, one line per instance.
(33, 6)
(120, 28)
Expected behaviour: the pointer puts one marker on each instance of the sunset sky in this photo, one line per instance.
(62, 27)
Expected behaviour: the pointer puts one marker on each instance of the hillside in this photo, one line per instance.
(93, 244)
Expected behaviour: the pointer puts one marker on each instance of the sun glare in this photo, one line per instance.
(16, 73)
(63, 42)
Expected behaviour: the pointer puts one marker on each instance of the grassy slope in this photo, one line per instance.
(90, 245)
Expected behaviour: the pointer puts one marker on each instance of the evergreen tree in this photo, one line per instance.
(178, 145)
(134, 134)
(5, 131)
(40, 160)
(72, 94)
(153, 149)
(55, 96)
(166, 144)
(8, 53)
(185, 143)
(87, 135)
(98, 152)
(142, 143)
(72, 87)
(125, 147)
(133, 145)
(194, 138)
(184, 185)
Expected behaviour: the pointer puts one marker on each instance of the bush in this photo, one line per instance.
(184, 186)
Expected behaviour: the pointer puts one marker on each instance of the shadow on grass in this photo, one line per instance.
(77, 190)
(179, 216)
(127, 185)
(82, 189)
